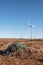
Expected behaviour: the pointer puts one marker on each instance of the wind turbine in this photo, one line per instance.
(30, 28)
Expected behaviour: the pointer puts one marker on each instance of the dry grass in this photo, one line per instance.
(36, 46)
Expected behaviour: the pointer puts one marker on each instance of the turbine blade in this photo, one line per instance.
(28, 22)
(33, 26)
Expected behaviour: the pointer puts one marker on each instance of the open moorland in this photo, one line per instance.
(35, 46)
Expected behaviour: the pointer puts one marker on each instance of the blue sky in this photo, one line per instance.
(15, 16)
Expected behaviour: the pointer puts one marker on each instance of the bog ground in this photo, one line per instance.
(35, 45)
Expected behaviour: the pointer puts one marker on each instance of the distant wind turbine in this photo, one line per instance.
(30, 28)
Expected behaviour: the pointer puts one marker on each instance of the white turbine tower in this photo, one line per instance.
(30, 29)
(30, 26)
